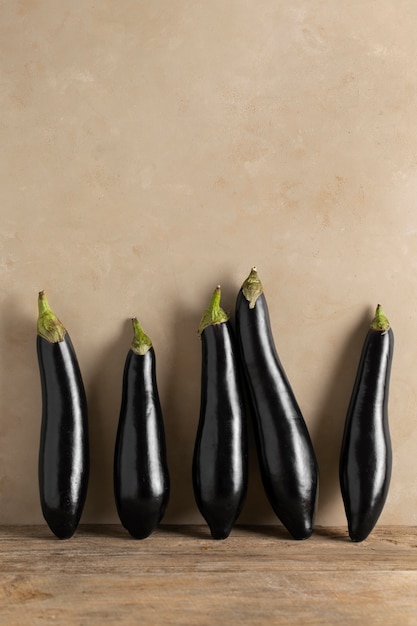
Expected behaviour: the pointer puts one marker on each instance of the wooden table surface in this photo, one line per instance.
(179, 575)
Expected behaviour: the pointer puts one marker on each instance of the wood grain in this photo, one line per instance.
(179, 575)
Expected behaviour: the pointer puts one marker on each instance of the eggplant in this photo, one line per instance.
(285, 452)
(220, 459)
(366, 453)
(140, 475)
(63, 465)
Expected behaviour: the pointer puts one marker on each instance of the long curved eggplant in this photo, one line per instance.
(286, 457)
(141, 477)
(220, 465)
(366, 453)
(63, 466)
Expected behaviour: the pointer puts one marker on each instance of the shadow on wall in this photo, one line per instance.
(104, 393)
(180, 404)
(21, 413)
(331, 413)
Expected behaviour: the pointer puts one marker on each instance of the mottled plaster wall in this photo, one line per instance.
(151, 150)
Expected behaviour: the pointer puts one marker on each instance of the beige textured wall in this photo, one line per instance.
(151, 150)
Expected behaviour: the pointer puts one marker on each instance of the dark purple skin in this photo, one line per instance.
(287, 460)
(64, 449)
(220, 462)
(366, 454)
(141, 477)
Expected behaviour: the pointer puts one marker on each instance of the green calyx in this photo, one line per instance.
(214, 314)
(252, 288)
(49, 326)
(380, 322)
(141, 342)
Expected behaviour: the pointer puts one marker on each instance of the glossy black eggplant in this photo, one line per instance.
(63, 465)
(286, 456)
(366, 453)
(220, 461)
(141, 476)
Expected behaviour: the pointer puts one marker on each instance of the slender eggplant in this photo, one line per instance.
(220, 461)
(141, 476)
(366, 454)
(286, 457)
(64, 450)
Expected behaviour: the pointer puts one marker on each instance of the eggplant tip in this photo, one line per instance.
(219, 534)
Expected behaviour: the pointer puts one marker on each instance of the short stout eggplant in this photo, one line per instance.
(366, 455)
(220, 461)
(141, 476)
(287, 460)
(64, 451)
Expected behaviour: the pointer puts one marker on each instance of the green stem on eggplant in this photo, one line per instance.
(141, 342)
(380, 322)
(214, 314)
(252, 288)
(49, 326)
